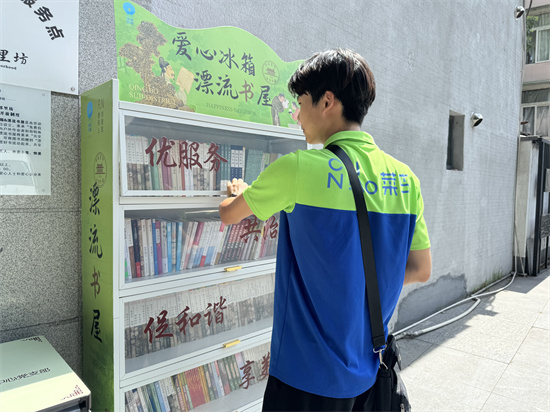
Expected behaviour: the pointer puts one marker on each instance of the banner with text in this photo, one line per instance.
(222, 71)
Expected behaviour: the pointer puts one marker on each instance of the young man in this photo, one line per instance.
(321, 351)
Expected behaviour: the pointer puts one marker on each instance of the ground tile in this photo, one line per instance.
(411, 350)
(452, 392)
(497, 403)
(524, 385)
(534, 353)
(453, 365)
(543, 320)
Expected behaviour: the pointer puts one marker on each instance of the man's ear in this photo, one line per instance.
(329, 100)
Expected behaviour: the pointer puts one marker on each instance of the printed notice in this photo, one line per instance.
(25, 141)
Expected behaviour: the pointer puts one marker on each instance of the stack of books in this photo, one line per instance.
(195, 314)
(188, 165)
(160, 246)
(195, 387)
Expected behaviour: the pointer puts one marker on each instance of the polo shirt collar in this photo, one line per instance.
(350, 136)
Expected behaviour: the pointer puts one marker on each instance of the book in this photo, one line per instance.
(197, 397)
(159, 246)
(195, 245)
(168, 247)
(141, 240)
(253, 165)
(190, 238)
(161, 397)
(174, 166)
(145, 267)
(237, 162)
(210, 387)
(146, 164)
(179, 240)
(164, 244)
(171, 395)
(186, 393)
(130, 241)
(146, 401)
(135, 237)
(222, 371)
(203, 384)
(138, 400)
(207, 241)
(174, 244)
(152, 392)
(179, 393)
(221, 237)
(154, 247)
(150, 245)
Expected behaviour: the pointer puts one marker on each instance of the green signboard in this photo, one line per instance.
(97, 244)
(222, 71)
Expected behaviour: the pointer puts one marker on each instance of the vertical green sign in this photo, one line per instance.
(222, 71)
(97, 244)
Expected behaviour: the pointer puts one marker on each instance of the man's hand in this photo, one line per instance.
(234, 208)
(236, 187)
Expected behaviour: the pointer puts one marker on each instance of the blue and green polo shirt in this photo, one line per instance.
(321, 341)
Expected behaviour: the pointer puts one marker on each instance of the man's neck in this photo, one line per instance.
(343, 127)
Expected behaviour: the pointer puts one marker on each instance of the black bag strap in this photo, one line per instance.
(371, 281)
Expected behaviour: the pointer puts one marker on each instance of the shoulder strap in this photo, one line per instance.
(371, 281)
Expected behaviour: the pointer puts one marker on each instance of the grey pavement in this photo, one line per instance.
(497, 358)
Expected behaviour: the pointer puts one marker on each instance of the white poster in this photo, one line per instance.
(39, 44)
(25, 141)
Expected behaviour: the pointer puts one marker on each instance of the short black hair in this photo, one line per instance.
(341, 71)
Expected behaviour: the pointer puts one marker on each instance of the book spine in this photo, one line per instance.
(154, 247)
(195, 246)
(179, 393)
(160, 397)
(159, 246)
(185, 391)
(141, 400)
(203, 383)
(135, 235)
(174, 246)
(164, 243)
(171, 395)
(151, 391)
(168, 247)
(210, 387)
(179, 241)
(130, 239)
(189, 242)
(145, 248)
(164, 392)
(130, 402)
(228, 373)
(150, 246)
(206, 243)
(219, 246)
(189, 379)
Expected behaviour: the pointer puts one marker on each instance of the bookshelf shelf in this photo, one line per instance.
(166, 286)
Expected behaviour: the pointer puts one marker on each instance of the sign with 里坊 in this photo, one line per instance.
(39, 44)
(222, 71)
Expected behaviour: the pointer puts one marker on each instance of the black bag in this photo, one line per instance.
(388, 392)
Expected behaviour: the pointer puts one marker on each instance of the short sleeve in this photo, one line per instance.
(420, 238)
(274, 189)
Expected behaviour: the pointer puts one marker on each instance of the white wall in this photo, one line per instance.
(428, 57)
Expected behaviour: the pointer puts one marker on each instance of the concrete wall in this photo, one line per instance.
(428, 57)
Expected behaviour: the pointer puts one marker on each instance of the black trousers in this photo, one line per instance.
(281, 397)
